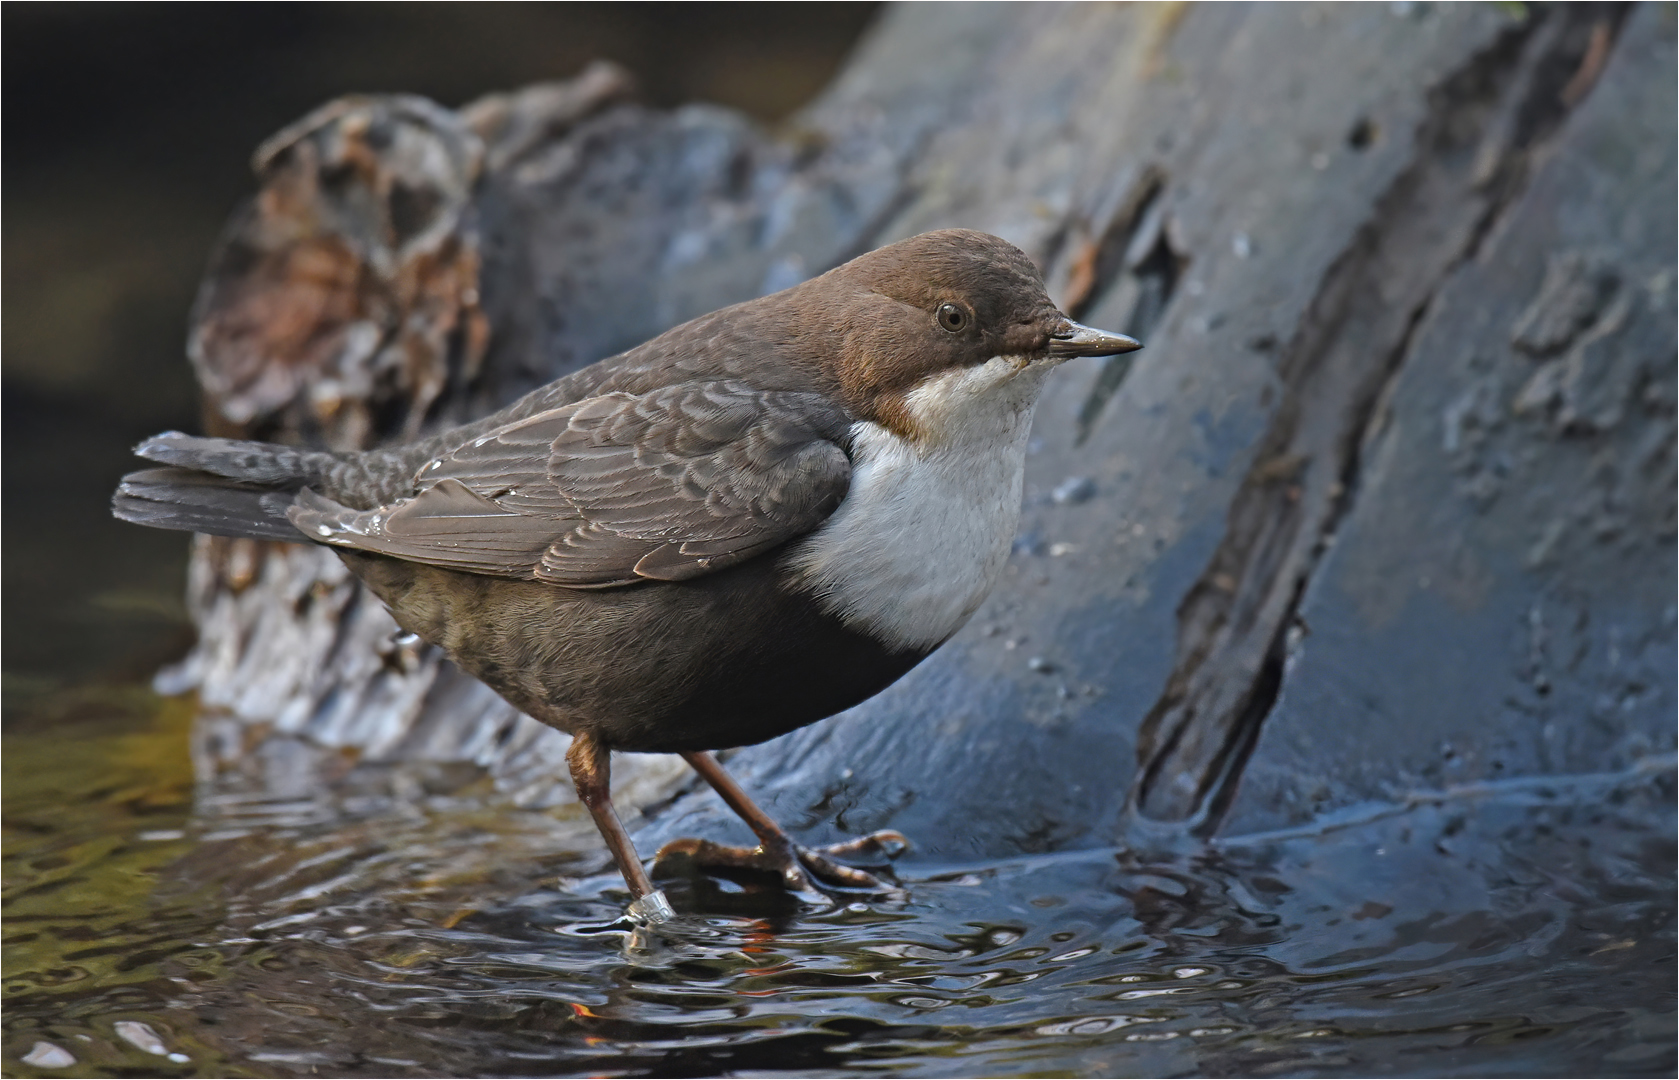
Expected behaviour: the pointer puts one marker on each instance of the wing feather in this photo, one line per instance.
(668, 485)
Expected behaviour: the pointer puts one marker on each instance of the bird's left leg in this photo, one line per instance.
(591, 772)
(776, 853)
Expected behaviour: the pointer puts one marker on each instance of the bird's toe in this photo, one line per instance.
(831, 874)
(875, 849)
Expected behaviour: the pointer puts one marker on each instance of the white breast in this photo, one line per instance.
(926, 527)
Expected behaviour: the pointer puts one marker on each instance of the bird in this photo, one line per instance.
(749, 523)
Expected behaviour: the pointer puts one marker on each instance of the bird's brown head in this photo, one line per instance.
(933, 305)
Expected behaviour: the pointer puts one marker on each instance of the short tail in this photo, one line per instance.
(219, 486)
(198, 502)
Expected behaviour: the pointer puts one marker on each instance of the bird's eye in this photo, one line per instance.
(952, 318)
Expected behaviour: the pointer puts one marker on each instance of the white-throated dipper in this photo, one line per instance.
(747, 524)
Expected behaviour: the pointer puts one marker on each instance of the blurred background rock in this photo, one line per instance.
(128, 136)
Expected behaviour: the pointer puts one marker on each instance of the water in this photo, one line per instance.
(402, 924)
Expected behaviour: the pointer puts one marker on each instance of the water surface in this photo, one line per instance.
(415, 924)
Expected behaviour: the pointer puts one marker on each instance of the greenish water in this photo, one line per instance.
(420, 926)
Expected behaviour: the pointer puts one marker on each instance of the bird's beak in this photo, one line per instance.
(1075, 340)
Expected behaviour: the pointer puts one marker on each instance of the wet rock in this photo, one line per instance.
(1532, 635)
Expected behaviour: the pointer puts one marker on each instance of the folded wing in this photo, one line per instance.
(668, 485)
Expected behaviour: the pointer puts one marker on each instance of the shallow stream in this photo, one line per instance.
(420, 926)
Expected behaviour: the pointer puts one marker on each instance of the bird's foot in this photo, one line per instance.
(799, 869)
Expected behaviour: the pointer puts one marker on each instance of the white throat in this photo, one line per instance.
(926, 527)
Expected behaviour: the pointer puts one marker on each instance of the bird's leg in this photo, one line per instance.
(776, 853)
(591, 772)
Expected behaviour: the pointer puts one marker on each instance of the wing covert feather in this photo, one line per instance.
(667, 485)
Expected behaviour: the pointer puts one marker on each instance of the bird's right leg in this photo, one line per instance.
(591, 771)
(801, 869)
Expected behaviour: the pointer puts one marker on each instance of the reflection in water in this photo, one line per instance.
(418, 926)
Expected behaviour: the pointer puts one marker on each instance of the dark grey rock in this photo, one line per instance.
(1499, 601)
